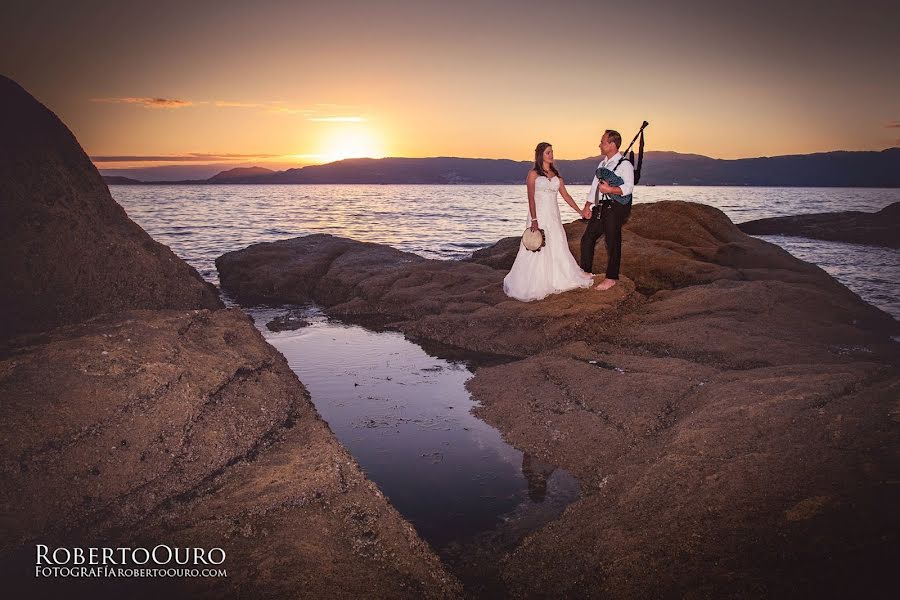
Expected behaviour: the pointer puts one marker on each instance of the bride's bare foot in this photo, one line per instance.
(605, 284)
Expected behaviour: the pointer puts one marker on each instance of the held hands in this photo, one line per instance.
(586, 212)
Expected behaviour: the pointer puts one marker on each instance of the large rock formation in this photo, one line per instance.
(881, 228)
(126, 427)
(68, 251)
(455, 303)
(670, 245)
(771, 481)
(730, 411)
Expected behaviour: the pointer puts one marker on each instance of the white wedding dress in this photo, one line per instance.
(535, 275)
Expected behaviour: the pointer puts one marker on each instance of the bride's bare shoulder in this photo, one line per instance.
(532, 175)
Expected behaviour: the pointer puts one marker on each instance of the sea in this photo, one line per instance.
(201, 222)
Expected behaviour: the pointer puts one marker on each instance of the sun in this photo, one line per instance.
(350, 142)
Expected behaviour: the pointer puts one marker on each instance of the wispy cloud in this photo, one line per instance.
(893, 125)
(324, 113)
(338, 119)
(190, 157)
(146, 102)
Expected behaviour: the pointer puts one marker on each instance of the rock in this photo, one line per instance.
(881, 228)
(287, 322)
(187, 428)
(769, 482)
(729, 410)
(460, 304)
(673, 244)
(759, 323)
(68, 251)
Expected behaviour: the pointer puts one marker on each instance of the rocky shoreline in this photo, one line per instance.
(138, 411)
(729, 410)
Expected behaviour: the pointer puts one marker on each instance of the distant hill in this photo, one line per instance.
(239, 175)
(119, 180)
(826, 169)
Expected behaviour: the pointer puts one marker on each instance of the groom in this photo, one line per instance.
(607, 209)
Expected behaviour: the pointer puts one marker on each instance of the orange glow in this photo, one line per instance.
(350, 142)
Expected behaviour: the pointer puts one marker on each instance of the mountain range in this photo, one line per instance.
(825, 169)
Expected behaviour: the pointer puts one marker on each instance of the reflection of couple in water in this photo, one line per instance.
(552, 268)
(536, 474)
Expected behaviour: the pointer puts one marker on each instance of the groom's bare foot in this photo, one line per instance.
(605, 284)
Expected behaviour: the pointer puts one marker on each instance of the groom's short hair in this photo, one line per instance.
(614, 136)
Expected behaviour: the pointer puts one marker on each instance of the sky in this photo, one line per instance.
(290, 83)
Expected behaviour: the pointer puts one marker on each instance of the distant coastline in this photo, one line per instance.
(878, 169)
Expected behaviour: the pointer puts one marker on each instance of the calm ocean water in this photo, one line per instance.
(202, 222)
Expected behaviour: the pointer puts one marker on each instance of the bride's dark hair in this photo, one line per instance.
(539, 159)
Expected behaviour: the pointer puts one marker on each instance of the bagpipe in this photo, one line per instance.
(609, 175)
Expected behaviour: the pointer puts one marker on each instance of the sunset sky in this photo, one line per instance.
(296, 82)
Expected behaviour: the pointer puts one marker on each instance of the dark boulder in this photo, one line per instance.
(68, 251)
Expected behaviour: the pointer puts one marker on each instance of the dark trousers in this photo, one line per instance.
(605, 221)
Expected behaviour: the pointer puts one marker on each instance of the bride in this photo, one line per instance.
(552, 269)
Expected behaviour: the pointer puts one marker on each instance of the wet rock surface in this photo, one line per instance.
(730, 411)
(881, 228)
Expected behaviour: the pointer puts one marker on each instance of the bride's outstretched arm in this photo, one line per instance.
(567, 197)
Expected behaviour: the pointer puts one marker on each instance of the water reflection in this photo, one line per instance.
(405, 416)
(537, 473)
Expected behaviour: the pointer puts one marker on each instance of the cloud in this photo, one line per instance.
(147, 102)
(338, 119)
(893, 125)
(190, 157)
(275, 107)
